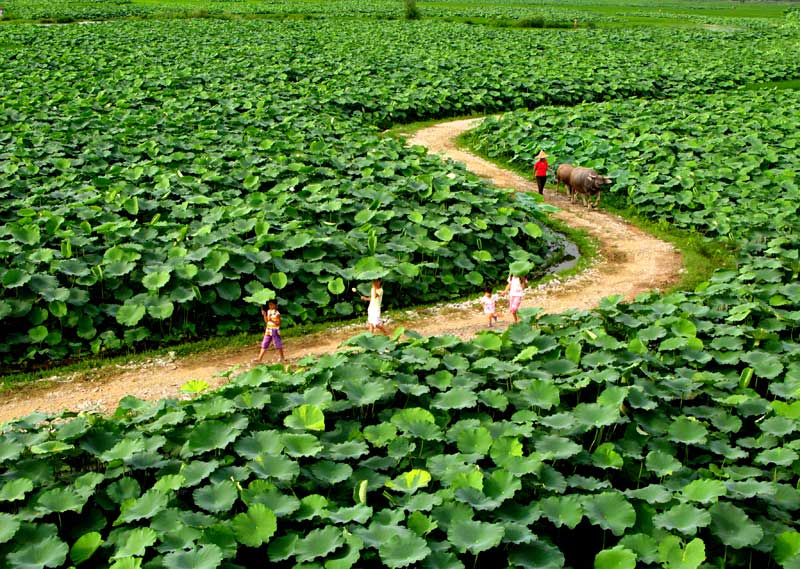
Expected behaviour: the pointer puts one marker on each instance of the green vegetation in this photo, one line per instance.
(660, 433)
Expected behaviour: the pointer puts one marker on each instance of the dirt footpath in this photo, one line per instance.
(631, 262)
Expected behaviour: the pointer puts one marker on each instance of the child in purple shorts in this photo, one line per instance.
(272, 333)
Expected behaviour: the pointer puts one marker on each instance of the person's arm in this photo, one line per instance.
(264, 315)
(276, 319)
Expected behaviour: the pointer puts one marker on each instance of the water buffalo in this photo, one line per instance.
(562, 176)
(587, 182)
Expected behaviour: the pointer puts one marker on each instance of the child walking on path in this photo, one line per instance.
(272, 333)
(374, 321)
(540, 171)
(515, 289)
(489, 302)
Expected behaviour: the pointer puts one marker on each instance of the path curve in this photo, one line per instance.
(631, 261)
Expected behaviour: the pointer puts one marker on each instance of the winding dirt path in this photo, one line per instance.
(631, 261)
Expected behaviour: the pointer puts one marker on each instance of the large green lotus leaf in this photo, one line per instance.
(369, 268)
(130, 314)
(211, 435)
(301, 444)
(618, 557)
(254, 527)
(118, 268)
(123, 489)
(652, 494)
(779, 426)
(541, 394)
(403, 549)
(787, 546)
(674, 556)
(610, 510)
(733, 527)
(259, 442)
(688, 431)
(203, 557)
(60, 500)
(85, 546)
(360, 513)
(347, 450)
(536, 555)
(9, 525)
(704, 490)
(38, 334)
(312, 506)
(455, 398)
(336, 286)
(645, 546)
(260, 297)
(557, 447)
(307, 418)
(133, 543)
(350, 556)
(263, 492)
(216, 260)
(282, 548)
(362, 392)
(684, 518)
(46, 552)
(15, 489)
(331, 472)
(563, 510)
(124, 450)
(474, 441)
(764, 364)
(146, 506)
(318, 543)
(278, 467)
(14, 278)
(216, 497)
(228, 290)
(50, 447)
(605, 456)
(661, 463)
(27, 234)
(488, 341)
(595, 415)
(474, 536)
(381, 434)
(411, 481)
(154, 281)
(196, 471)
(780, 456)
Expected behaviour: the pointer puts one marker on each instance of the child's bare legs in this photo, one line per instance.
(260, 355)
(381, 328)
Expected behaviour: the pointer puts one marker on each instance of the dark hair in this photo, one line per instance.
(487, 289)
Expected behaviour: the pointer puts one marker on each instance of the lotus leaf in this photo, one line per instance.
(732, 526)
(683, 518)
(49, 552)
(255, 526)
(318, 543)
(474, 536)
(674, 555)
(204, 557)
(618, 557)
(411, 481)
(306, 417)
(403, 550)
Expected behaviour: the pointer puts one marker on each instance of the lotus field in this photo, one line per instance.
(161, 177)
